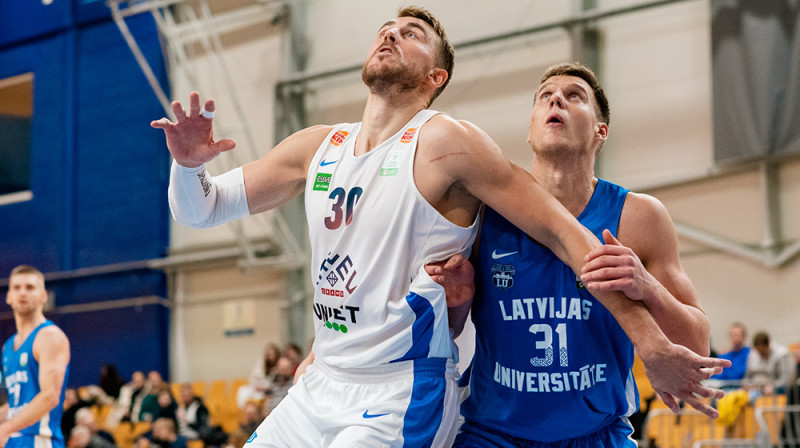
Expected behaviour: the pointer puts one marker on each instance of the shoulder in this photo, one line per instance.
(312, 136)
(51, 339)
(646, 227)
(442, 128)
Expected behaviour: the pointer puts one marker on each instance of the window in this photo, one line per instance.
(16, 115)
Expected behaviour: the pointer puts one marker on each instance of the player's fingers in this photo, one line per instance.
(669, 400)
(223, 145)
(702, 407)
(162, 123)
(609, 238)
(209, 105)
(194, 104)
(177, 108)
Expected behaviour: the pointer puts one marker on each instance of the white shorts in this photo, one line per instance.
(403, 404)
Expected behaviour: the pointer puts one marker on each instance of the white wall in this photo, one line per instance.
(656, 71)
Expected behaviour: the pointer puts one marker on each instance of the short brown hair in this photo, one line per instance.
(447, 54)
(25, 269)
(585, 73)
(761, 339)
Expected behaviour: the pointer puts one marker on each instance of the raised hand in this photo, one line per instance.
(190, 139)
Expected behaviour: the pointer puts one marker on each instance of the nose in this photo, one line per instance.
(390, 34)
(556, 99)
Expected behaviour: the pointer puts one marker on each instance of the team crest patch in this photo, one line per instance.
(578, 283)
(322, 182)
(408, 135)
(503, 275)
(23, 359)
(338, 137)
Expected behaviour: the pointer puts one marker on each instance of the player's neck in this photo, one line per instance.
(384, 115)
(27, 323)
(572, 182)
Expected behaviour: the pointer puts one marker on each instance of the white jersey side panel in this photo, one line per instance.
(371, 234)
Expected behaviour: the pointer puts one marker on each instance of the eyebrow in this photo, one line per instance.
(411, 24)
(571, 84)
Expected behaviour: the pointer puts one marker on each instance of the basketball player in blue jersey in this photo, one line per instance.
(384, 197)
(35, 367)
(566, 379)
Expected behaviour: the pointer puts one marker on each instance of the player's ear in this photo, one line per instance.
(437, 77)
(601, 130)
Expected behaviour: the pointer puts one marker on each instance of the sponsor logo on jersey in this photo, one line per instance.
(322, 182)
(392, 163)
(503, 275)
(497, 256)
(338, 137)
(408, 135)
(327, 162)
(23, 359)
(337, 319)
(368, 415)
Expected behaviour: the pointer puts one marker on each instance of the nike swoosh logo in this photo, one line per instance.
(496, 256)
(368, 415)
(324, 163)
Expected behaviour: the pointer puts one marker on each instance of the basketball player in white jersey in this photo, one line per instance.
(35, 367)
(383, 197)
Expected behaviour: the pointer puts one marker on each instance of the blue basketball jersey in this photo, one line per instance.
(21, 377)
(551, 362)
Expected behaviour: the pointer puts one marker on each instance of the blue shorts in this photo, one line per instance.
(615, 435)
(26, 441)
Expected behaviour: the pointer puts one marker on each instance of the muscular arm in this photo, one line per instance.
(645, 265)
(51, 350)
(469, 158)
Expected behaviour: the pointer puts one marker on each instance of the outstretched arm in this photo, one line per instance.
(51, 350)
(457, 276)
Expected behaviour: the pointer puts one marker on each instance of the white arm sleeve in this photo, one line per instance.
(198, 200)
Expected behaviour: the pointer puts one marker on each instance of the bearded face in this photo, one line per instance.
(382, 78)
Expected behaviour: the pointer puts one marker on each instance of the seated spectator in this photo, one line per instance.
(282, 380)
(85, 417)
(294, 353)
(737, 355)
(162, 435)
(251, 418)
(193, 419)
(82, 437)
(129, 404)
(260, 379)
(770, 366)
(72, 403)
(148, 411)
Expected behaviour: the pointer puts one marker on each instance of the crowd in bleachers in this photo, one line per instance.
(762, 386)
(146, 411)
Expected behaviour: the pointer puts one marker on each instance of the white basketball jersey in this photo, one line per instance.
(371, 234)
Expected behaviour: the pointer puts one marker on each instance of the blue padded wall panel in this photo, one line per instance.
(130, 338)
(25, 19)
(30, 232)
(121, 175)
(138, 283)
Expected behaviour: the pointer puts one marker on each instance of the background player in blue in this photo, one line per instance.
(35, 365)
(455, 167)
(566, 380)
